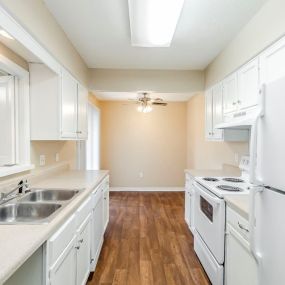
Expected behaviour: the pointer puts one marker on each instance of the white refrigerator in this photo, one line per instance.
(267, 218)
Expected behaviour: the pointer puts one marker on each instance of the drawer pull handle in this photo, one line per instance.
(243, 227)
(77, 247)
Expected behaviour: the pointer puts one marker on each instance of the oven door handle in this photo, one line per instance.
(216, 201)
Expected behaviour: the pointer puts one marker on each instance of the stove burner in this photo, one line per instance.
(211, 179)
(229, 188)
(235, 180)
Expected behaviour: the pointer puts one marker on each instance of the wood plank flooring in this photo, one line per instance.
(148, 242)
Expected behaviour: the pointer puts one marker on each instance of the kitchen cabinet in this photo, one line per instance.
(83, 249)
(248, 85)
(208, 114)
(272, 62)
(106, 204)
(230, 94)
(58, 105)
(240, 265)
(97, 225)
(82, 119)
(64, 269)
(241, 89)
(214, 112)
(68, 106)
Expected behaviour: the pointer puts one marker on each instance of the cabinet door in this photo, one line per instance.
(217, 111)
(64, 270)
(106, 207)
(82, 113)
(240, 266)
(272, 63)
(83, 252)
(98, 228)
(68, 106)
(230, 93)
(248, 85)
(208, 114)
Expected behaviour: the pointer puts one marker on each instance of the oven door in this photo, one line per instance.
(210, 220)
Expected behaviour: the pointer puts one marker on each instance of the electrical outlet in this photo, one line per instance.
(140, 174)
(42, 160)
(57, 157)
(236, 157)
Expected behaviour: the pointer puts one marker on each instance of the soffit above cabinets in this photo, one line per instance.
(124, 96)
(100, 31)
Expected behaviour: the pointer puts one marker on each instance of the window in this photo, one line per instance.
(8, 120)
(14, 118)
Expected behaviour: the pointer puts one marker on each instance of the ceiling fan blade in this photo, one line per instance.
(159, 103)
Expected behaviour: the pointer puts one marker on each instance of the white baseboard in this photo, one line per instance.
(147, 189)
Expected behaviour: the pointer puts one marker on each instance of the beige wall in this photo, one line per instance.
(264, 28)
(65, 149)
(154, 143)
(93, 100)
(202, 154)
(169, 81)
(36, 18)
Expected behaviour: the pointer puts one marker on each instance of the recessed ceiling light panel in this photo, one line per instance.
(153, 22)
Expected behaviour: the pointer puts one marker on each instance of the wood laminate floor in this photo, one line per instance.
(148, 242)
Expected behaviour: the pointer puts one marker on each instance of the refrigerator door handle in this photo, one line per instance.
(253, 138)
(252, 242)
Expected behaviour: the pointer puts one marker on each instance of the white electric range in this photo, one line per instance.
(210, 217)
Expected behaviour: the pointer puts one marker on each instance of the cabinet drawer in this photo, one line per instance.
(238, 222)
(83, 211)
(97, 195)
(59, 241)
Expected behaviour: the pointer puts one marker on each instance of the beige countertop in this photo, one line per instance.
(19, 242)
(227, 170)
(239, 203)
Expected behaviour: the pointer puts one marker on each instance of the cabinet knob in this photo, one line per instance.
(77, 247)
(239, 102)
(79, 132)
(81, 240)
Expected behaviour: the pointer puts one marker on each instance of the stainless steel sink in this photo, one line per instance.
(44, 195)
(27, 212)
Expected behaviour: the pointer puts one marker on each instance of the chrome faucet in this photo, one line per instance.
(22, 187)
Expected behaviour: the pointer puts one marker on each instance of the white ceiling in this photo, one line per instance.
(124, 96)
(99, 29)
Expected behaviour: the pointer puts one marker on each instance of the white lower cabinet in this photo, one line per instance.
(83, 248)
(106, 204)
(97, 227)
(72, 252)
(63, 271)
(240, 265)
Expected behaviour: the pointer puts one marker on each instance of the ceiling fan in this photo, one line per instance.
(145, 102)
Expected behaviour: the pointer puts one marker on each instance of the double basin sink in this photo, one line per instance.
(36, 207)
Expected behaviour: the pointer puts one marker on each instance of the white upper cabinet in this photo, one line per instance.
(208, 114)
(58, 105)
(230, 94)
(82, 99)
(248, 85)
(214, 112)
(217, 111)
(68, 106)
(272, 63)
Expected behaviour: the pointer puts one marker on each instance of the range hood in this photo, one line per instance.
(240, 121)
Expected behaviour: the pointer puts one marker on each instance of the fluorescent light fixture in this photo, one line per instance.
(6, 35)
(153, 22)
